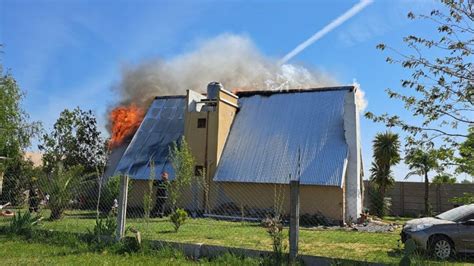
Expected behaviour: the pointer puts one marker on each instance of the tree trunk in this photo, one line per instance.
(382, 198)
(427, 194)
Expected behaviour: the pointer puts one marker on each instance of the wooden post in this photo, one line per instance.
(122, 208)
(1, 183)
(402, 199)
(294, 219)
(438, 198)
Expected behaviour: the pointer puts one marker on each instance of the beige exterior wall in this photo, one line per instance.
(327, 200)
(191, 198)
(313, 199)
(208, 143)
(137, 190)
(226, 108)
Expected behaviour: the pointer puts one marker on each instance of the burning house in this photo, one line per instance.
(251, 143)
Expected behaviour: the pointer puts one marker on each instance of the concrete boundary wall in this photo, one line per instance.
(197, 251)
(408, 197)
(200, 250)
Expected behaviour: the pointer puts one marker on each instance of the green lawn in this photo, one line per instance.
(20, 252)
(362, 246)
(17, 251)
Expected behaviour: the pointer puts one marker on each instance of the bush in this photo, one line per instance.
(178, 218)
(274, 227)
(466, 198)
(23, 224)
(103, 232)
(379, 206)
(62, 185)
(110, 192)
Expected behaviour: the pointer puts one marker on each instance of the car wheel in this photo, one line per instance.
(442, 248)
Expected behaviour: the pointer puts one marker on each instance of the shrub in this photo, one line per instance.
(128, 245)
(104, 227)
(62, 185)
(466, 198)
(178, 218)
(274, 227)
(110, 192)
(103, 232)
(23, 224)
(148, 197)
(183, 163)
(379, 205)
(408, 252)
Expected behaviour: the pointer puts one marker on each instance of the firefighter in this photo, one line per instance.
(33, 199)
(161, 196)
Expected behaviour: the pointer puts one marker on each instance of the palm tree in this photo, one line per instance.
(444, 179)
(421, 162)
(386, 147)
(62, 184)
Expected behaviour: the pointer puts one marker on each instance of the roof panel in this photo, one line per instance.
(161, 126)
(270, 133)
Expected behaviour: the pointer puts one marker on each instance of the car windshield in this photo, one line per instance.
(457, 214)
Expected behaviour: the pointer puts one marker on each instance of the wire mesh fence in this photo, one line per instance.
(248, 216)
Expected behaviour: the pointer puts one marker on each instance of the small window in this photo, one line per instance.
(198, 170)
(202, 123)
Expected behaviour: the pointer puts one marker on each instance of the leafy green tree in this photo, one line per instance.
(386, 148)
(75, 140)
(20, 176)
(465, 161)
(183, 164)
(148, 196)
(16, 133)
(15, 130)
(440, 90)
(421, 162)
(444, 179)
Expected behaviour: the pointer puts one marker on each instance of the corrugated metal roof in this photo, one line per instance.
(270, 132)
(163, 124)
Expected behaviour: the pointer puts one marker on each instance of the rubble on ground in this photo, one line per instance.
(375, 227)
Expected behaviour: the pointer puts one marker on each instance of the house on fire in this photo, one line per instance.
(252, 143)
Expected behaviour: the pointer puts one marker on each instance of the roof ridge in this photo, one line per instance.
(271, 92)
(170, 97)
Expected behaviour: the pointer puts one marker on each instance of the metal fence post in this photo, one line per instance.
(122, 210)
(294, 218)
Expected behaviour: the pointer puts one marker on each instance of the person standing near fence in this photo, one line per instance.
(161, 196)
(33, 199)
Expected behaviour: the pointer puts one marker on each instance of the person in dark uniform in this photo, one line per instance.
(161, 195)
(33, 198)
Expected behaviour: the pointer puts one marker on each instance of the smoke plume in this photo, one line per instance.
(230, 59)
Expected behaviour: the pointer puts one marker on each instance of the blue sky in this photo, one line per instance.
(70, 53)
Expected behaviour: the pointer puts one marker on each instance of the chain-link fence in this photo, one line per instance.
(219, 214)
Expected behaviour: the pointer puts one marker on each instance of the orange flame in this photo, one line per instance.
(125, 121)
